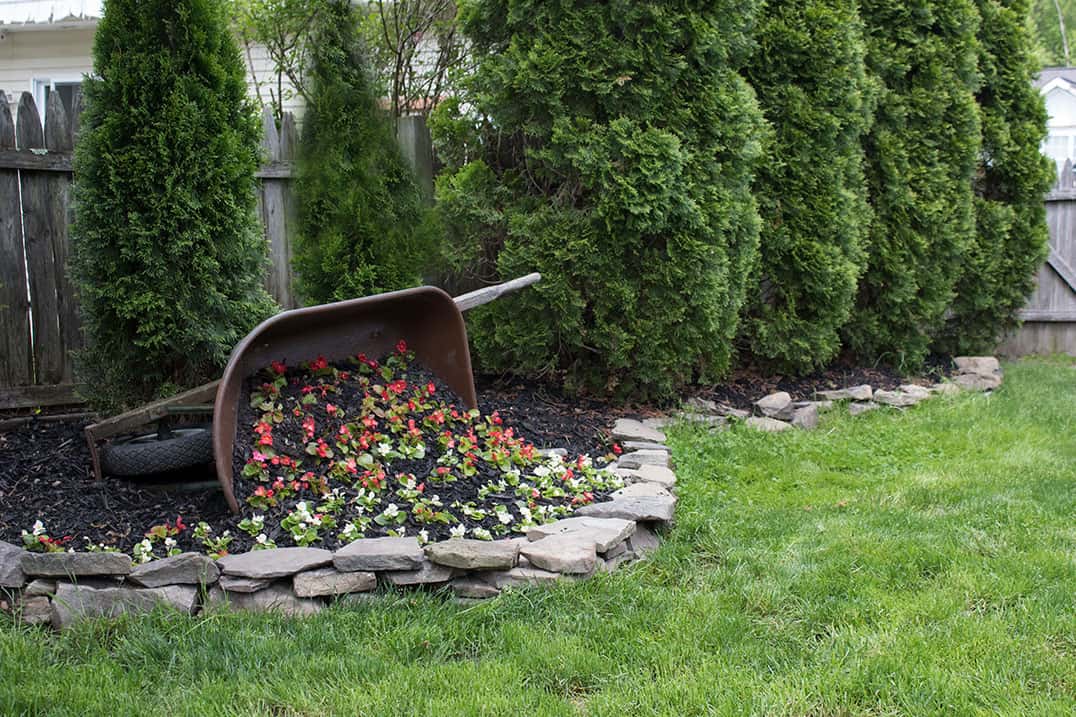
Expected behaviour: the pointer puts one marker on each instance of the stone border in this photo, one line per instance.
(60, 589)
(777, 412)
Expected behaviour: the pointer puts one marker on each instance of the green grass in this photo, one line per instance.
(921, 563)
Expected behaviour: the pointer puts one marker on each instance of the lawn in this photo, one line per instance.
(911, 563)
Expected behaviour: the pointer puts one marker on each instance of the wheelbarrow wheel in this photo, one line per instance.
(150, 454)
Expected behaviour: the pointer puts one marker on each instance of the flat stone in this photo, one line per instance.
(642, 488)
(919, 392)
(35, 610)
(610, 565)
(429, 573)
(643, 541)
(638, 508)
(73, 603)
(40, 587)
(11, 574)
(376, 554)
(520, 577)
(473, 588)
(468, 554)
(946, 388)
(274, 563)
(650, 474)
(276, 598)
(330, 581)
(716, 423)
(572, 553)
(605, 533)
(61, 565)
(643, 446)
(550, 452)
(777, 405)
(235, 584)
(768, 425)
(627, 429)
(806, 417)
(657, 423)
(857, 408)
(820, 405)
(978, 365)
(730, 412)
(700, 405)
(854, 393)
(182, 569)
(976, 382)
(618, 549)
(898, 399)
(636, 459)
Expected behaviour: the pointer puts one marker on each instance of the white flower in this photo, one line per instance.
(384, 448)
(458, 531)
(169, 543)
(504, 516)
(258, 521)
(482, 534)
(541, 471)
(392, 511)
(39, 528)
(423, 536)
(261, 539)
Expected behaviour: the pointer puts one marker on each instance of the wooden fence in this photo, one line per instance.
(39, 323)
(1050, 314)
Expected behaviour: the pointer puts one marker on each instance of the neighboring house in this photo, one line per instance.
(46, 46)
(1058, 87)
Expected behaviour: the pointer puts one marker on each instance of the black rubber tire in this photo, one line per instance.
(146, 455)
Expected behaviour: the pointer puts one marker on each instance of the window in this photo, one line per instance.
(66, 88)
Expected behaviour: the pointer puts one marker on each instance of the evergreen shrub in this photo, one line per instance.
(611, 147)
(167, 255)
(361, 216)
(808, 72)
(921, 154)
(1011, 235)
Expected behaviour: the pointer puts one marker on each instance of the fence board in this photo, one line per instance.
(272, 207)
(58, 139)
(40, 229)
(16, 353)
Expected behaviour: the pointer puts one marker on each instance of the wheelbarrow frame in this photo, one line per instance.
(426, 317)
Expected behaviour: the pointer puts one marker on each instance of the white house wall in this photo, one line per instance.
(65, 55)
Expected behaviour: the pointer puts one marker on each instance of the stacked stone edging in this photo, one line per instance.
(778, 412)
(63, 588)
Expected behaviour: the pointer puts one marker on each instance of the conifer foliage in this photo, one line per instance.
(1010, 217)
(808, 72)
(360, 209)
(614, 153)
(921, 154)
(167, 255)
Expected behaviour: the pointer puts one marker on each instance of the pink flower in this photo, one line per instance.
(259, 456)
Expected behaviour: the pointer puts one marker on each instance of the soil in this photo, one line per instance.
(45, 471)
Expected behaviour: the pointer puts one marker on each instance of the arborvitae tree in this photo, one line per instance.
(921, 155)
(1012, 177)
(809, 75)
(360, 209)
(616, 149)
(167, 254)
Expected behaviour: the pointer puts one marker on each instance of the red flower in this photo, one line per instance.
(331, 409)
(430, 388)
(278, 367)
(266, 440)
(319, 364)
(401, 346)
(263, 428)
(617, 449)
(179, 523)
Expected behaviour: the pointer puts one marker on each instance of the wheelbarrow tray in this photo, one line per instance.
(427, 318)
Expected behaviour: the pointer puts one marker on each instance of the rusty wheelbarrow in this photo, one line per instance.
(428, 319)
